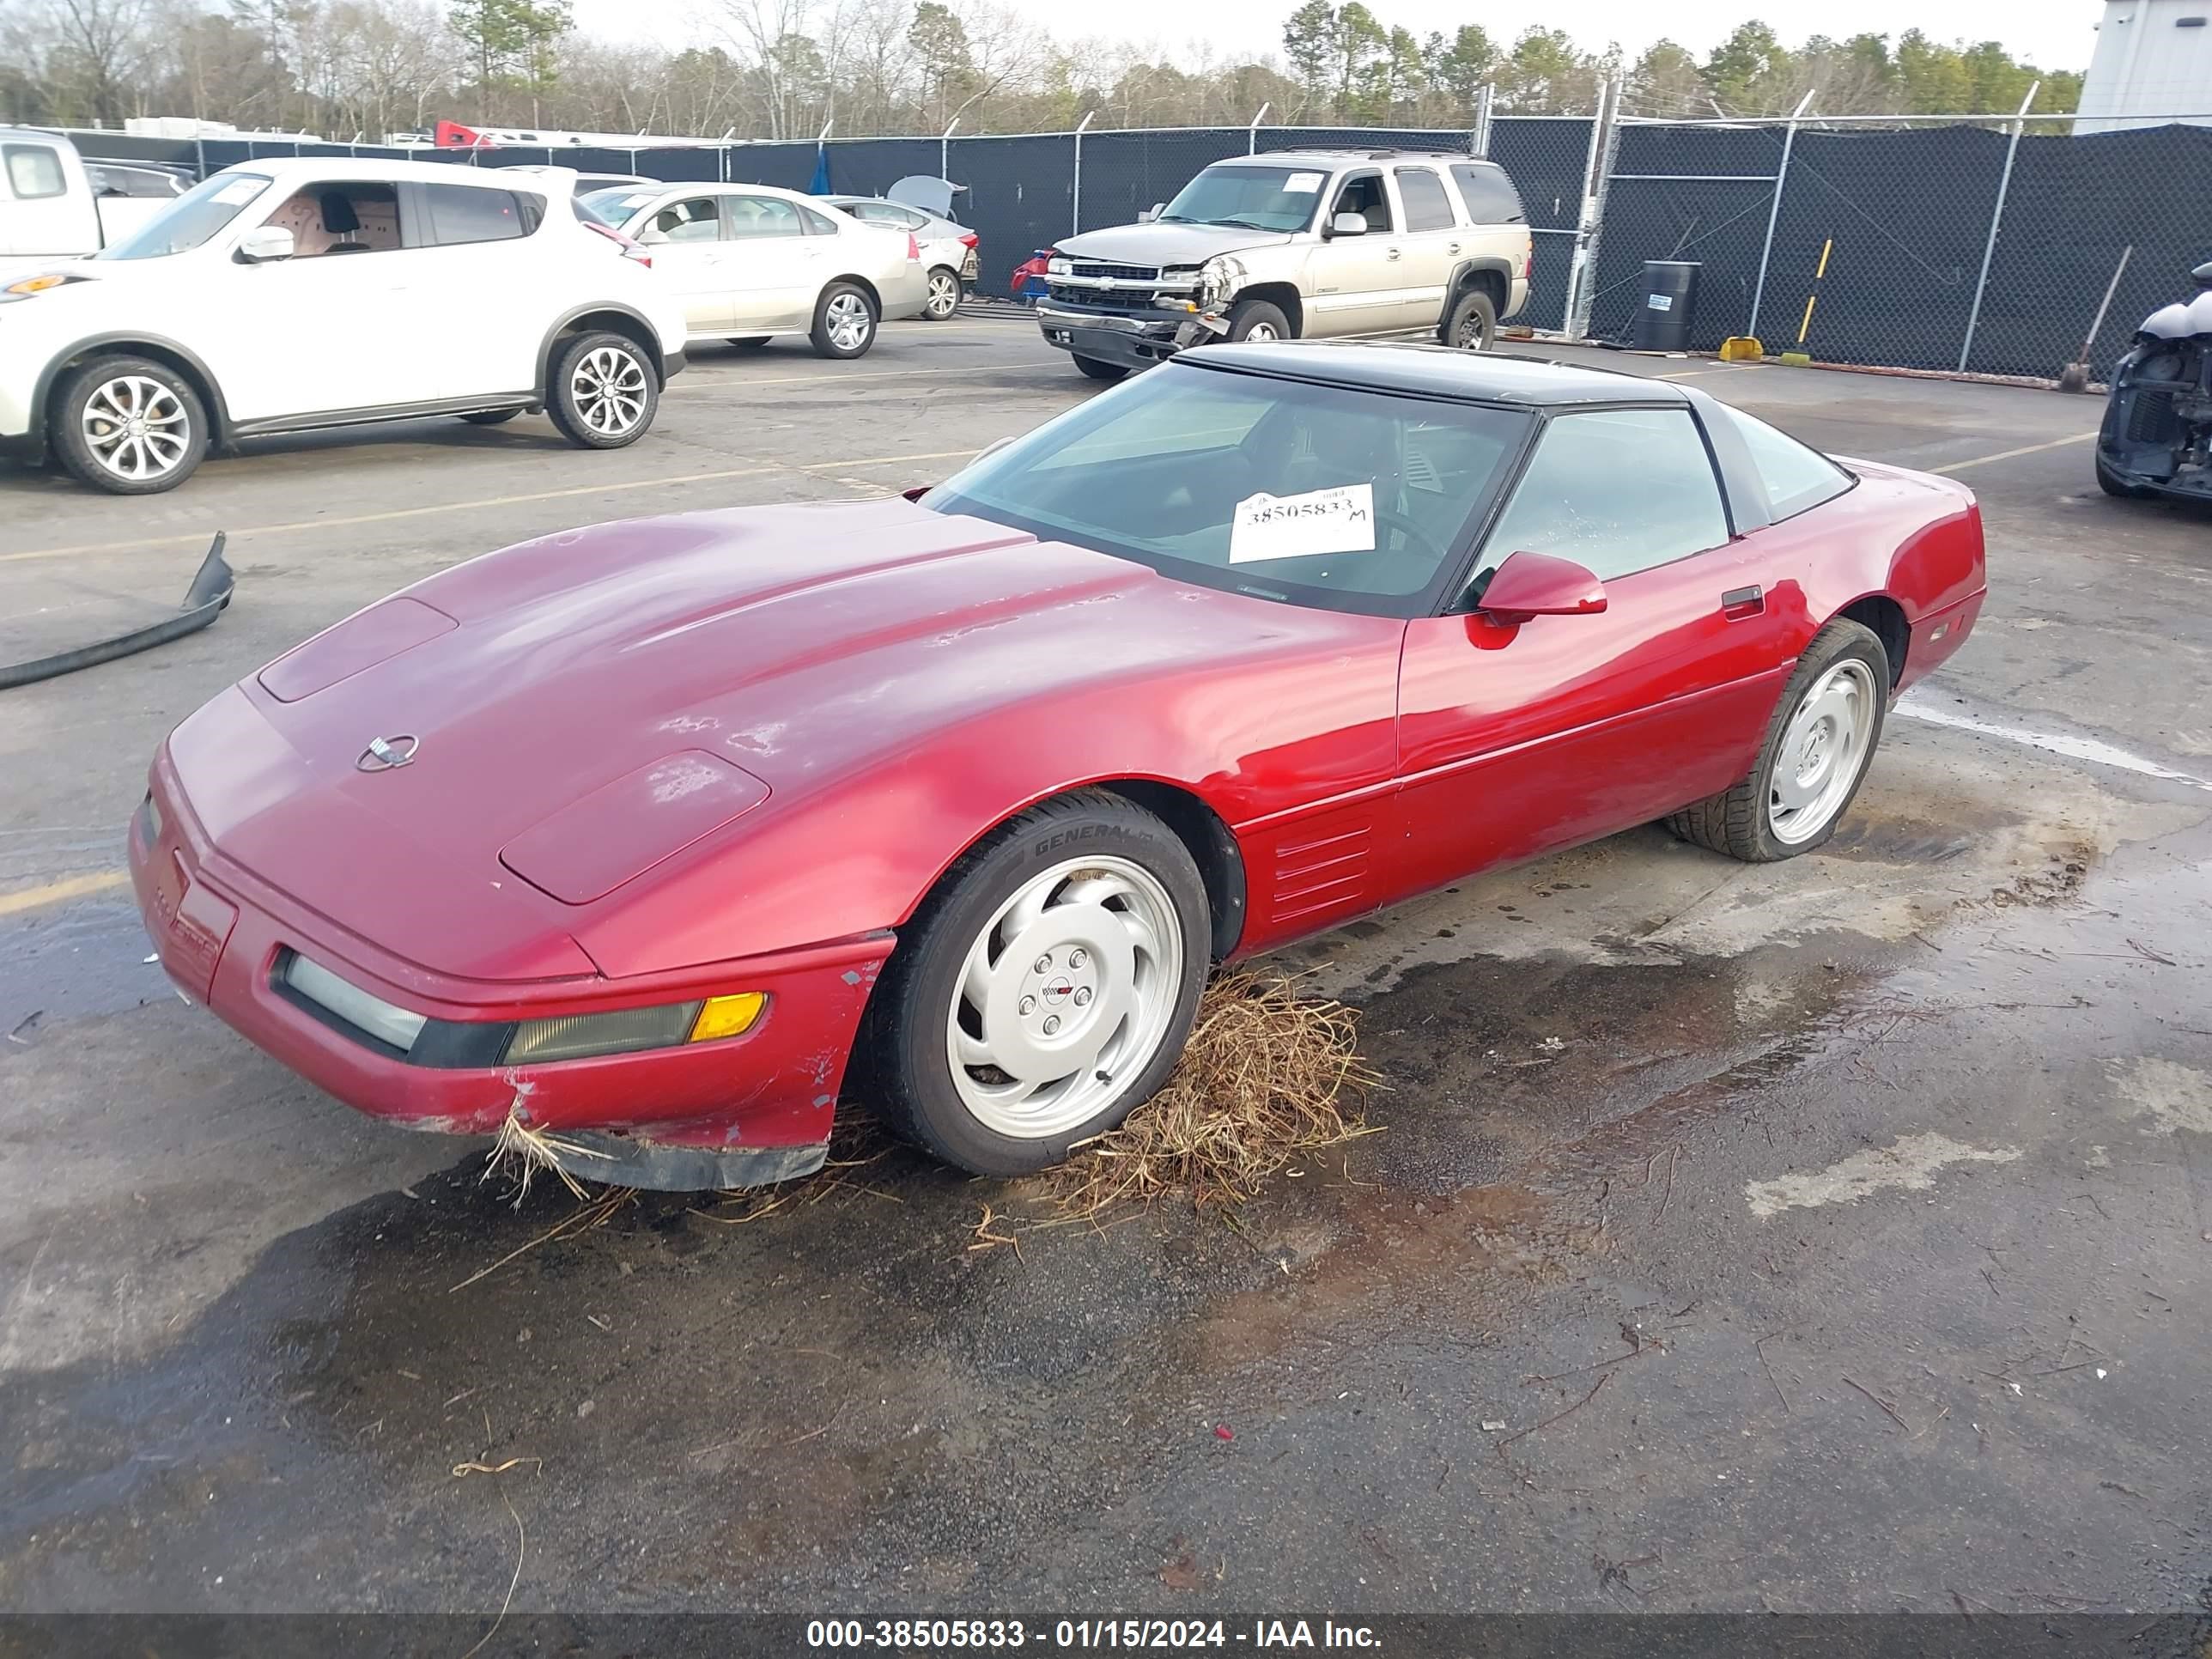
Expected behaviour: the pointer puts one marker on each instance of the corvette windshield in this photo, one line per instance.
(1249, 199)
(190, 219)
(1314, 495)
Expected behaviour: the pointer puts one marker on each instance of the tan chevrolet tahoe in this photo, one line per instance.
(1297, 245)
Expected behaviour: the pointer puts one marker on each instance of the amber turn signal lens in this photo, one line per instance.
(727, 1016)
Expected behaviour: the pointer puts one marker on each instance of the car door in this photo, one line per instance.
(478, 285)
(775, 267)
(1354, 280)
(690, 255)
(323, 332)
(1516, 740)
(1432, 238)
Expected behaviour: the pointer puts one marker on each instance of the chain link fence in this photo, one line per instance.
(1975, 244)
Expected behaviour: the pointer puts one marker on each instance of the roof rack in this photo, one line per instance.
(1370, 154)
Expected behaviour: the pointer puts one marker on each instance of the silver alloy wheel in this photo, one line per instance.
(1822, 749)
(1065, 994)
(1262, 334)
(135, 428)
(847, 321)
(608, 384)
(943, 294)
(1470, 334)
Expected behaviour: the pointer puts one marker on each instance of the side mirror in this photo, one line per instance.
(1347, 224)
(1537, 585)
(266, 244)
(2203, 275)
(1152, 213)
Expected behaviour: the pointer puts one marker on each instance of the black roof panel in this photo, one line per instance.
(1439, 372)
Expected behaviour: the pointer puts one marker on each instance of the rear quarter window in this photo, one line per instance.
(33, 171)
(1489, 194)
(465, 213)
(1797, 477)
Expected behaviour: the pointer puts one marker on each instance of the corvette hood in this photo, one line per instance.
(572, 711)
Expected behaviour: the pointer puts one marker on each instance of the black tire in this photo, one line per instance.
(120, 382)
(2112, 484)
(1096, 370)
(1739, 822)
(1246, 315)
(943, 294)
(1472, 324)
(490, 416)
(750, 342)
(834, 296)
(906, 1058)
(630, 391)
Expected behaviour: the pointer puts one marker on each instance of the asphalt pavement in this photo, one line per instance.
(1831, 1236)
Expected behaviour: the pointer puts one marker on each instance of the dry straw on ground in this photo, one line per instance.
(1269, 1074)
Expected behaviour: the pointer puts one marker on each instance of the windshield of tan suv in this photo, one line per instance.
(1325, 495)
(190, 219)
(1248, 197)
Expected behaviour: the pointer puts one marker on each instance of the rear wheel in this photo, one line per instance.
(1046, 988)
(1473, 325)
(129, 425)
(844, 321)
(602, 392)
(1259, 322)
(1818, 748)
(1101, 371)
(943, 294)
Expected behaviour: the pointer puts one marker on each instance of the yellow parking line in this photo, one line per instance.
(2008, 454)
(57, 893)
(199, 536)
(830, 377)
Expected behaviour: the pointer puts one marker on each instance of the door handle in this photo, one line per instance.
(1392, 253)
(1451, 248)
(1739, 603)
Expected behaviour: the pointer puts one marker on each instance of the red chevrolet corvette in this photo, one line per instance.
(652, 833)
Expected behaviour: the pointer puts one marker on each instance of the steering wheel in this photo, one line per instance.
(1417, 539)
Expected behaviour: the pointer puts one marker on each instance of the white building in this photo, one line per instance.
(2153, 60)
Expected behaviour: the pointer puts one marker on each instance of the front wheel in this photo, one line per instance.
(602, 392)
(1818, 748)
(943, 294)
(1258, 322)
(1046, 989)
(844, 321)
(1096, 370)
(130, 426)
(1473, 325)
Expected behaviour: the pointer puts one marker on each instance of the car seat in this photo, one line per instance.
(341, 222)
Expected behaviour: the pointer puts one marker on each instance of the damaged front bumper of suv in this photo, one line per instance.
(1134, 317)
(2157, 433)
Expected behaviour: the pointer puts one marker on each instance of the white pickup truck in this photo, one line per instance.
(53, 202)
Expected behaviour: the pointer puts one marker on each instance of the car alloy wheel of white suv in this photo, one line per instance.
(284, 295)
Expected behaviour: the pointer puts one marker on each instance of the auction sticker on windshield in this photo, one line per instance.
(1338, 521)
(1301, 184)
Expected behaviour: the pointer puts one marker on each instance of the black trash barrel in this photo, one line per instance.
(1670, 299)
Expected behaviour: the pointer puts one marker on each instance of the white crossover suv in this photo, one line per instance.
(282, 295)
(748, 261)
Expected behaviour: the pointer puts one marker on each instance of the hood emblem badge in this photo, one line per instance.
(386, 754)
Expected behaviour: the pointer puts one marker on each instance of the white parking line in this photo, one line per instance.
(2008, 454)
(198, 538)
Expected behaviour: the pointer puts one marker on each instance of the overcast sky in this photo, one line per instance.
(2053, 33)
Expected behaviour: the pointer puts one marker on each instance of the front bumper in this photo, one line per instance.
(1131, 342)
(732, 1112)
